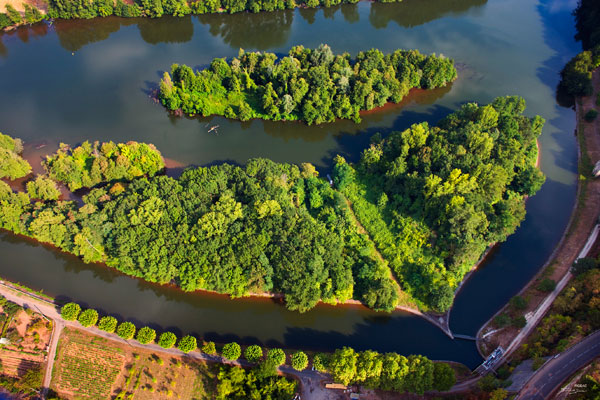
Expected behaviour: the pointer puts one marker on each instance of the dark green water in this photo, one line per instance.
(91, 80)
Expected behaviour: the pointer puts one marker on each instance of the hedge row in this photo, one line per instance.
(146, 335)
(126, 330)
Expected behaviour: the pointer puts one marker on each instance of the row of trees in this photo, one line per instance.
(68, 9)
(434, 197)
(390, 371)
(312, 85)
(93, 163)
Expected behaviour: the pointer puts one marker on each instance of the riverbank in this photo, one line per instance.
(584, 218)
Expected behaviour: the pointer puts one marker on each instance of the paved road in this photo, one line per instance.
(549, 378)
(310, 379)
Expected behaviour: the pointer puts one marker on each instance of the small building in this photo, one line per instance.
(337, 386)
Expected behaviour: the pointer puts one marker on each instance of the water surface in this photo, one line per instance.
(92, 80)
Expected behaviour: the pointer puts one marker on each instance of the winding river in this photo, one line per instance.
(80, 80)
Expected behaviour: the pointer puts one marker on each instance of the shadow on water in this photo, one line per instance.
(411, 13)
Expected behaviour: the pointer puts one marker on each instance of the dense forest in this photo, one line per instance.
(312, 85)
(576, 76)
(430, 198)
(93, 163)
(433, 198)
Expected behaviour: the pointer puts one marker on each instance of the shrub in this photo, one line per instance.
(591, 115)
(187, 343)
(70, 311)
(209, 348)
(582, 265)
(232, 351)
(253, 353)
(146, 335)
(518, 303)
(88, 318)
(519, 322)
(277, 356)
(126, 330)
(299, 361)
(108, 324)
(537, 363)
(443, 376)
(167, 340)
(43, 188)
(321, 362)
(502, 320)
(547, 285)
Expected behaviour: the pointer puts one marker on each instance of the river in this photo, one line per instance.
(92, 80)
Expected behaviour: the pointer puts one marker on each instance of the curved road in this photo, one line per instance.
(549, 378)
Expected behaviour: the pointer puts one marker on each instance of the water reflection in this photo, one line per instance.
(167, 29)
(411, 13)
(75, 34)
(259, 31)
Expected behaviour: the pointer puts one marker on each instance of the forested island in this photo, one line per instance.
(419, 208)
(312, 85)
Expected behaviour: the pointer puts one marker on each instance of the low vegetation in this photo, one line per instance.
(312, 85)
(574, 313)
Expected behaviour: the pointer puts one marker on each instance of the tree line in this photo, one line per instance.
(87, 9)
(312, 85)
(576, 76)
(430, 198)
(390, 371)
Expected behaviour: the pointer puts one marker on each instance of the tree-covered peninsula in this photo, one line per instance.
(312, 85)
(423, 203)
